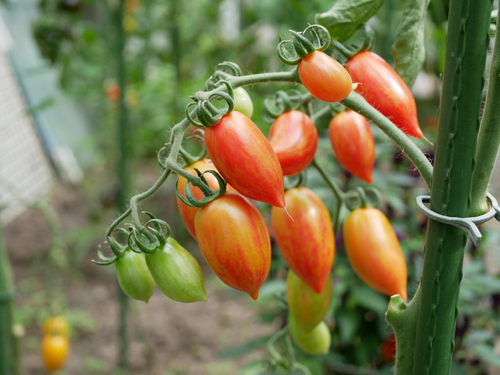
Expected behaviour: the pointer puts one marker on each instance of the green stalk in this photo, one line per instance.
(123, 174)
(357, 103)
(463, 81)
(488, 141)
(6, 322)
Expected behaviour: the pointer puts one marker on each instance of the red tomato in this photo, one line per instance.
(374, 251)
(188, 213)
(353, 143)
(55, 349)
(294, 139)
(307, 307)
(245, 158)
(113, 92)
(233, 238)
(388, 349)
(324, 77)
(384, 89)
(306, 241)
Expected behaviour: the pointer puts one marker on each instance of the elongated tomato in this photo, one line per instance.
(384, 89)
(307, 241)
(374, 251)
(353, 144)
(245, 158)
(324, 77)
(188, 213)
(307, 307)
(233, 238)
(294, 139)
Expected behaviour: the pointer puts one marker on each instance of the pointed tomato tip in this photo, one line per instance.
(254, 295)
(368, 178)
(318, 288)
(404, 295)
(417, 133)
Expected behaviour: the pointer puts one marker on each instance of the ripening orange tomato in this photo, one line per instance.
(384, 89)
(188, 213)
(245, 158)
(305, 237)
(353, 144)
(374, 251)
(113, 92)
(55, 349)
(324, 77)
(234, 240)
(56, 325)
(294, 139)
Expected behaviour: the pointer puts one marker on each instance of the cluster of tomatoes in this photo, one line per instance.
(233, 235)
(55, 343)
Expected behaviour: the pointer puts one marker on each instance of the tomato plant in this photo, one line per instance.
(55, 349)
(383, 88)
(294, 139)
(235, 146)
(307, 307)
(134, 276)
(324, 77)
(353, 144)
(305, 236)
(234, 240)
(374, 251)
(177, 273)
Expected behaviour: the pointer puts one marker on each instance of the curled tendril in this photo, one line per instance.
(208, 115)
(313, 38)
(234, 68)
(363, 197)
(295, 181)
(281, 103)
(161, 156)
(104, 260)
(225, 67)
(190, 200)
(116, 247)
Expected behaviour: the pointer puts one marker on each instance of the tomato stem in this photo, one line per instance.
(488, 141)
(358, 104)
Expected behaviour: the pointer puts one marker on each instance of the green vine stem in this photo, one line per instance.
(402, 318)
(488, 141)
(357, 103)
(463, 80)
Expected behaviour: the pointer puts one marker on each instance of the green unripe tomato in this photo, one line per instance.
(177, 273)
(316, 341)
(307, 307)
(134, 276)
(243, 102)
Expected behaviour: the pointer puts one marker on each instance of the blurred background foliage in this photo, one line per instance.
(171, 49)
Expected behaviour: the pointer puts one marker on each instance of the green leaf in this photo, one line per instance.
(346, 15)
(408, 49)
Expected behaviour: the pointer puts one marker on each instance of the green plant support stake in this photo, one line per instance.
(463, 81)
(123, 173)
(6, 336)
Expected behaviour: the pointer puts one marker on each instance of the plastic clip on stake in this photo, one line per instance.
(468, 224)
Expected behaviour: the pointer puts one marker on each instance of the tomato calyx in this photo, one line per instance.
(362, 197)
(350, 50)
(282, 102)
(293, 182)
(190, 200)
(185, 158)
(313, 38)
(150, 237)
(208, 114)
(222, 70)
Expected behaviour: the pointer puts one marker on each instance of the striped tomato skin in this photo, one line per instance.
(305, 238)
(234, 240)
(353, 144)
(384, 89)
(245, 158)
(374, 251)
(324, 77)
(188, 213)
(294, 139)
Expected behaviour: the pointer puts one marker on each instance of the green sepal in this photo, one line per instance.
(233, 67)
(104, 260)
(362, 197)
(297, 181)
(115, 246)
(302, 45)
(207, 199)
(318, 36)
(288, 56)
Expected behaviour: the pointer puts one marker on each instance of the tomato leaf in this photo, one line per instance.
(346, 15)
(408, 49)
